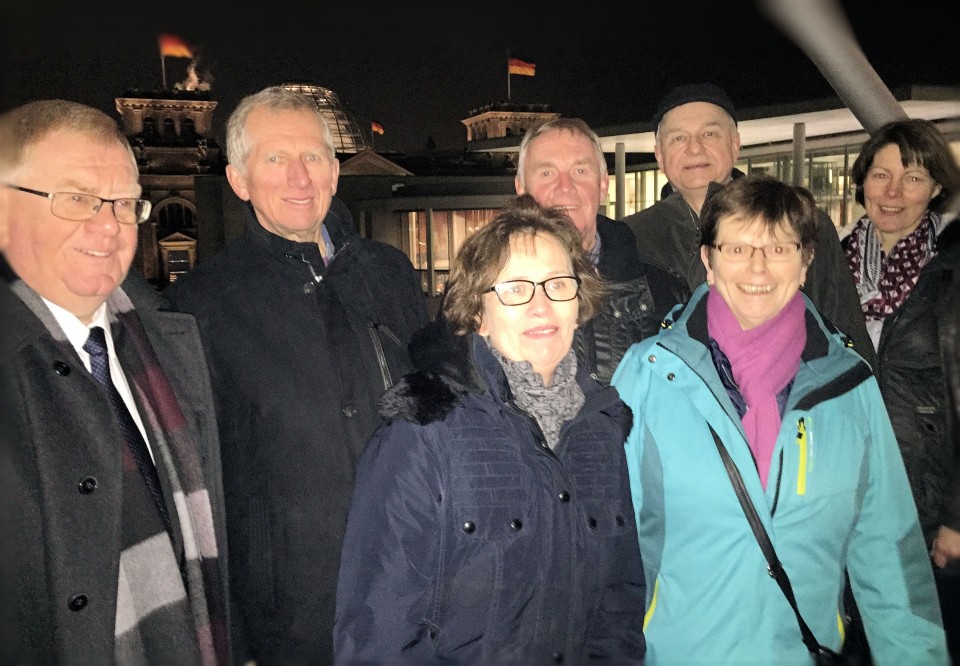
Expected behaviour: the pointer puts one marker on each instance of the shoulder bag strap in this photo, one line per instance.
(774, 567)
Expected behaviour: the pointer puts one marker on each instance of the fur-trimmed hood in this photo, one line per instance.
(450, 367)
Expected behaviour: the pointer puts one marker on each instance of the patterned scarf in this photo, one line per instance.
(764, 359)
(153, 591)
(885, 281)
(551, 406)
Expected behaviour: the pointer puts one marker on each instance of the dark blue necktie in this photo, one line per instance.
(96, 346)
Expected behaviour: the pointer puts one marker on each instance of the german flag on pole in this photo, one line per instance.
(376, 127)
(172, 46)
(521, 67)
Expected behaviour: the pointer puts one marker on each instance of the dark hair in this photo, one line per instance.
(759, 196)
(921, 143)
(484, 254)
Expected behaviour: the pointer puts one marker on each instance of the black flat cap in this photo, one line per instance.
(694, 92)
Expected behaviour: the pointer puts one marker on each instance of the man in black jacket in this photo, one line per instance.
(306, 324)
(561, 164)
(112, 514)
(697, 144)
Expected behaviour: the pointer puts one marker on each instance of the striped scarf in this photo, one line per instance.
(884, 281)
(155, 596)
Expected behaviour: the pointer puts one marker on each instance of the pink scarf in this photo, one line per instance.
(764, 360)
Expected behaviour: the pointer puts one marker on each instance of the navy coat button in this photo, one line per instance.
(87, 485)
(349, 411)
(469, 527)
(516, 524)
(309, 287)
(61, 368)
(558, 657)
(564, 496)
(77, 602)
(592, 522)
(620, 521)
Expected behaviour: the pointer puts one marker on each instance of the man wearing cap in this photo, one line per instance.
(697, 145)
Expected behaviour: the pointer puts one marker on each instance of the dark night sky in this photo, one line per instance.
(419, 68)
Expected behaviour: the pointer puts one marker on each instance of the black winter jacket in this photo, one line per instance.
(299, 355)
(641, 294)
(471, 542)
(910, 368)
(668, 235)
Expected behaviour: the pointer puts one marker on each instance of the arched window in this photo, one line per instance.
(176, 214)
(188, 130)
(150, 128)
(169, 128)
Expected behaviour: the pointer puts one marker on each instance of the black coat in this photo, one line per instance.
(949, 247)
(668, 234)
(910, 368)
(61, 538)
(640, 296)
(298, 363)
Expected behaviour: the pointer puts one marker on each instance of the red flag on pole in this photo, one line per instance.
(376, 127)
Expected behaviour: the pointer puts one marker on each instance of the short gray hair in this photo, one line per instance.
(274, 99)
(575, 126)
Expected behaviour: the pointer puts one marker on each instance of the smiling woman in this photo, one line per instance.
(497, 482)
(749, 362)
(756, 286)
(904, 174)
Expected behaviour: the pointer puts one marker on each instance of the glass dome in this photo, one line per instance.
(347, 137)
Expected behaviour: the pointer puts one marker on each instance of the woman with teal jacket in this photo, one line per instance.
(800, 415)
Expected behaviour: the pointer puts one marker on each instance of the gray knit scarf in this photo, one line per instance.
(551, 406)
(149, 608)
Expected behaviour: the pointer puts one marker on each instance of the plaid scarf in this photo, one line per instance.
(884, 281)
(157, 595)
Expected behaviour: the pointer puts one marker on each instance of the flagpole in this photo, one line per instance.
(163, 69)
(508, 75)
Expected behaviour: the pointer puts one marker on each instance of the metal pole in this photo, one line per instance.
(799, 149)
(431, 273)
(821, 30)
(620, 168)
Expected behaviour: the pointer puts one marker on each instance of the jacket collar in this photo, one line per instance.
(467, 366)
(339, 225)
(692, 321)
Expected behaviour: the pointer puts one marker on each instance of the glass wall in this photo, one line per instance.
(825, 173)
(436, 236)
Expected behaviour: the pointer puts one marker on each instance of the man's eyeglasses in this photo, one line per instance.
(78, 207)
(518, 292)
(773, 252)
